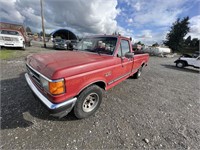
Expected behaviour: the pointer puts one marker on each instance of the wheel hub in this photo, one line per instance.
(139, 73)
(90, 102)
(179, 64)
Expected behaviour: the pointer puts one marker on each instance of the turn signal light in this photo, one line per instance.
(56, 87)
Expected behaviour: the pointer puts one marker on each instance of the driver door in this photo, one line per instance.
(196, 63)
(123, 65)
(126, 63)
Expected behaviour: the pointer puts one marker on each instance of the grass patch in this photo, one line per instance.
(10, 54)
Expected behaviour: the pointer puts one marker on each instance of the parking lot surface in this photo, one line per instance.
(161, 110)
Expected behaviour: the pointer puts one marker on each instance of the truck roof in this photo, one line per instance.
(109, 35)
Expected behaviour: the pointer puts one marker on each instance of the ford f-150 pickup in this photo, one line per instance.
(75, 80)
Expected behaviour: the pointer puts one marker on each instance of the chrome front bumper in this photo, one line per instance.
(57, 110)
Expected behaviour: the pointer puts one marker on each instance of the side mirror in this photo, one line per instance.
(129, 55)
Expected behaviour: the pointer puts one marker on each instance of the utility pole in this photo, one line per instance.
(42, 17)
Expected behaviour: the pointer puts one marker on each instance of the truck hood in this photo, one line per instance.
(55, 65)
(13, 36)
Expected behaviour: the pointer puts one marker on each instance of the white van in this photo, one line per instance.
(11, 38)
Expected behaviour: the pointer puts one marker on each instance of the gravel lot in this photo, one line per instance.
(161, 110)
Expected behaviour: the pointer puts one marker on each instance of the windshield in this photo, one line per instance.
(103, 45)
(9, 32)
(59, 40)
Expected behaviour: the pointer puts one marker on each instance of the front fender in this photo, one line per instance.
(90, 82)
(179, 60)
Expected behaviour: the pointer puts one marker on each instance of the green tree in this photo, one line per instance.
(174, 38)
(188, 41)
(28, 29)
(140, 43)
(155, 44)
(194, 42)
(41, 33)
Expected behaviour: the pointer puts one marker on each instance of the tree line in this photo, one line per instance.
(175, 38)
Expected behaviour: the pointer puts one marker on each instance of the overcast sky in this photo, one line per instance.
(144, 20)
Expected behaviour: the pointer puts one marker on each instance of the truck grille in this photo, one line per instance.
(9, 38)
(35, 76)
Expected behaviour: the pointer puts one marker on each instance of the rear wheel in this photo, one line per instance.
(88, 102)
(138, 73)
(180, 64)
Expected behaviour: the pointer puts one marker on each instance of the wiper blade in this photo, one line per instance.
(90, 50)
(87, 49)
(98, 52)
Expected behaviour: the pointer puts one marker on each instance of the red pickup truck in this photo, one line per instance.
(74, 80)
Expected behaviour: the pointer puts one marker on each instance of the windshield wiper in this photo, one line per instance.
(75, 49)
(87, 49)
(92, 50)
(98, 51)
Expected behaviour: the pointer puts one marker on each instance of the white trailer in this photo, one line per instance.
(158, 51)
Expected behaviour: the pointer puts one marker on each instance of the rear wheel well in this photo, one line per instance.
(143, 64)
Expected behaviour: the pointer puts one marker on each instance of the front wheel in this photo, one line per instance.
(180, 64)
(24, 46)
(88, 102)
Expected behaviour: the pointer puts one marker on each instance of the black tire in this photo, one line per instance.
(24, 46)
(180, 64)
(88, 102)
(138, 73)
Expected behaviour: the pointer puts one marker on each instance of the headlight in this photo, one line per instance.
(56, 87)
(45, 83)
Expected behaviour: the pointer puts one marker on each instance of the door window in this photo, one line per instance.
(124, 48)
